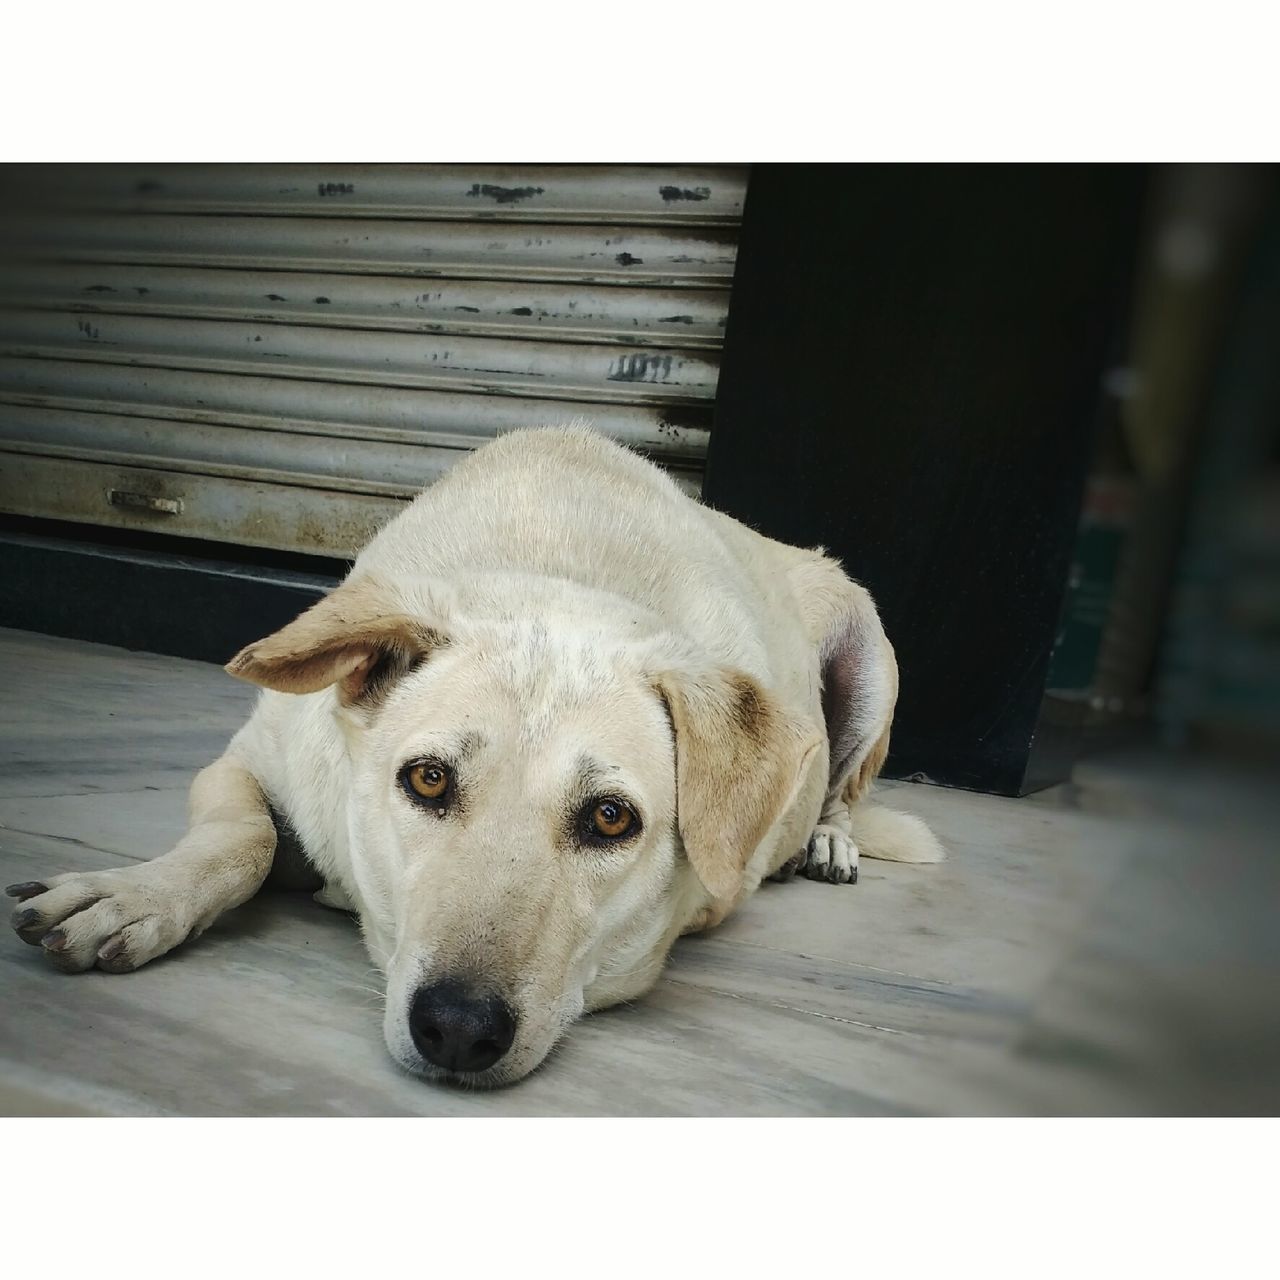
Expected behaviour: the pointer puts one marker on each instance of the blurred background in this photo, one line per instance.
(1173, 611)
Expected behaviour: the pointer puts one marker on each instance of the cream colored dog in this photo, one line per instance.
(557, 714)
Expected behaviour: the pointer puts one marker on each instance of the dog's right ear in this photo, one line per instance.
(357, 637)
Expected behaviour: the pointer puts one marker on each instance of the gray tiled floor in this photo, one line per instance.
(1078, 953)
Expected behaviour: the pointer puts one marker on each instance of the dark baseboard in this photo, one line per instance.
(185, 604)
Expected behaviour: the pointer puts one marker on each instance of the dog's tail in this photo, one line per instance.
(893, 836)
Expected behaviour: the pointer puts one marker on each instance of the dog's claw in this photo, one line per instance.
(111, 949)
(113, 956)
(29, 926)
(28, 889)
(789, 868)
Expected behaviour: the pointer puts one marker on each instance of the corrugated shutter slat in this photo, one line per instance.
(345, 329)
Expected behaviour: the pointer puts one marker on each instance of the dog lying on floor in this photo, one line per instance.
(558, 714)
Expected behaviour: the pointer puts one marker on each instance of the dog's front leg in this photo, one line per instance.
(122, 918)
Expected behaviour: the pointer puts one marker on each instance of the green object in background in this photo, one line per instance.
(1104, 526)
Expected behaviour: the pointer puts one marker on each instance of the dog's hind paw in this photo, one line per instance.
(333, 895)
(789, 868)
(831, 856)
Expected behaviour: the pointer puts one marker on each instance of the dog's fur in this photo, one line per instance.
(559, 622)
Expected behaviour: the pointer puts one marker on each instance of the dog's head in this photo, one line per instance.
(536, 810)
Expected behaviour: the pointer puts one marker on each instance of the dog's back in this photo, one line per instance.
(566, 503)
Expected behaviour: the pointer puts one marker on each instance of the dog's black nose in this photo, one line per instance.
(460, 1028)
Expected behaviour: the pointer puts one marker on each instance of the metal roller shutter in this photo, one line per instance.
(280, 356)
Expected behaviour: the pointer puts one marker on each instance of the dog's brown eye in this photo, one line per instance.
(611, 819)
(428, 779)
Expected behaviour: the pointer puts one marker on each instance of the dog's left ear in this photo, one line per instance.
(358, 637)
(739, 759)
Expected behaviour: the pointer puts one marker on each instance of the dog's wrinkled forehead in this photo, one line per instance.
(533, 679)
(551, 677)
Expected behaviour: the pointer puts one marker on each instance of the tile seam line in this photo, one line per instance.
(792, 1008)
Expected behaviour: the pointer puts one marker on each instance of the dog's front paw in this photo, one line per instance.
(117, 920)
(832, 856)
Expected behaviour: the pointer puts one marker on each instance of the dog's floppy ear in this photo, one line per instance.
(738, 762)
(357, 637)
(857, 667)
